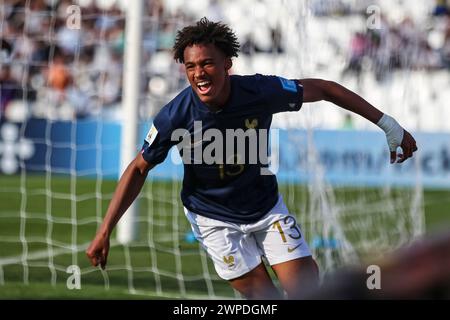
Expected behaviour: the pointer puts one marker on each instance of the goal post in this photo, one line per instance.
(126, 229)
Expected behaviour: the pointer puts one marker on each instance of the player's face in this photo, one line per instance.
(207, 70)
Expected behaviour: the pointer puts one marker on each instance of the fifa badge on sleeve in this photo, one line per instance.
(151, 135)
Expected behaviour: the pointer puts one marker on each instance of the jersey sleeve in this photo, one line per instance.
(157, 142)
(281, 94)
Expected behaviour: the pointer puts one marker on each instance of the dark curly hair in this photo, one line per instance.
(204, 32)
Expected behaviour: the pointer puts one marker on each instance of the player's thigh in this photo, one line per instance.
(256, 284)
(282, 241)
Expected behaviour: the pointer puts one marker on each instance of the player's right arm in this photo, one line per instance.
(128, 188)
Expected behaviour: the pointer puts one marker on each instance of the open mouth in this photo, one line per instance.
(204, 87)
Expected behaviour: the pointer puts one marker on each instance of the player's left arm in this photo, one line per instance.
(318, 89)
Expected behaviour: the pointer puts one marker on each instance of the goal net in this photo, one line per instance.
(61, 80)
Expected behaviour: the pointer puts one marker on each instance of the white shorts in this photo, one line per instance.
(237, 248)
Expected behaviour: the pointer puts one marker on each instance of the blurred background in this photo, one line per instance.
(62, 78)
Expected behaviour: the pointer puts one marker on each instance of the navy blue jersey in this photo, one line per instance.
(232, 188)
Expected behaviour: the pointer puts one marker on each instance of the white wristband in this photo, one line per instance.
(394, 132)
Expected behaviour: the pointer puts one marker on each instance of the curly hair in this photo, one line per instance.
(204, 32)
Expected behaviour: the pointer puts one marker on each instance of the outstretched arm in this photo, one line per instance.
(128, 188)
(317, 90)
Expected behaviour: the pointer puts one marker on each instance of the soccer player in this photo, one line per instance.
(232, 203)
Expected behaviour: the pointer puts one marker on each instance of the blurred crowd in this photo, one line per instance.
(403, 45)
(61, 72)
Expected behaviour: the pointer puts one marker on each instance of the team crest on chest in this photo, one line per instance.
(251, 125)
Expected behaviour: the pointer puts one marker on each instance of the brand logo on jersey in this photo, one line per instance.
(151, 135)
(251, 125)
(288, 85)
